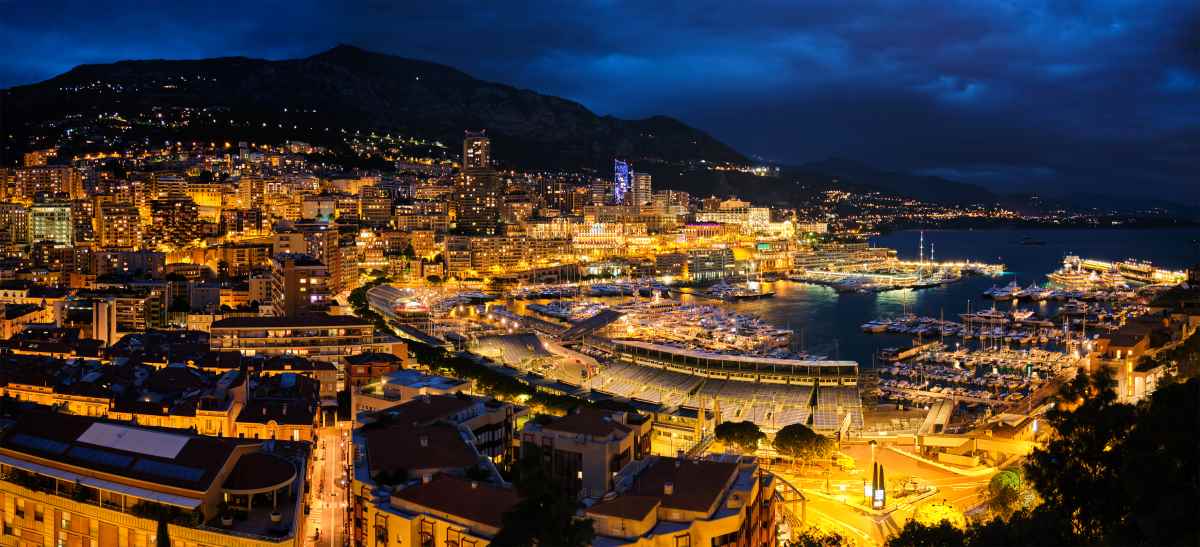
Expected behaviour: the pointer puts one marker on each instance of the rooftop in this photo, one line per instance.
(463, 498)
(587, 421)
(415, 379)
(152, 456)
(317, 320)
(697, 485)
(411, 448)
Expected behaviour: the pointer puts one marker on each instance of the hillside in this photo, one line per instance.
(343, 88)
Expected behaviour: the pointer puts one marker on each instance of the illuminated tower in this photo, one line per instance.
(477, 152)
(476, 196)
(641, 192)
(621, 181)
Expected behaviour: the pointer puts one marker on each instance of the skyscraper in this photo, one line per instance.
(477, 152)
(477, 190)
(51, 221)
(641, 193)
(621, 182)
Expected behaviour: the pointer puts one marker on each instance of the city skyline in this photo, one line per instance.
(357, 299)
(1097, 98)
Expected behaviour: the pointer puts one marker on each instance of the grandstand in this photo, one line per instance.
(513, 349)
(771, 406)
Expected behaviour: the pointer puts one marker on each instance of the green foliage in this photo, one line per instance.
(798, 442)
(1115, 474)
(815, 537)
(1005, 489)
(545, 515)
(915, 534)
(744, 435)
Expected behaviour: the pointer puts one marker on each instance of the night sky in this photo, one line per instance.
(1053, 96)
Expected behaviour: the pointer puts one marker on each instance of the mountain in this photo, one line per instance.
(922, 187)
(345, 87)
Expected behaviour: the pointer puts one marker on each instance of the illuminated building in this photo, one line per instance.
(588, 447)
(723, 500)
(323, 207)
(709, 264)
(477, 152)
(51, 178)
(14, 223)
(316, 336)
(51, 221)
(477, 202)
(168, 186)
(78, 480)
(375, 205)
(174, 222)
(434, 439)
(621, 181)
(641, 192)
(299, 284)
(119, 226)
(38, 158)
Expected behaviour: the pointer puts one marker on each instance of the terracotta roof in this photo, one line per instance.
(586, 421)
(399, 447)
(284, 412)
(259, 470)
(372, 358)
(463, 498)
(429, 408)
(626, 507)
(697, 485)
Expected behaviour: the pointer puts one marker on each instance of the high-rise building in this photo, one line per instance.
(174, 222)
(14, 223)
(477, 152)
(299, 284)
(477, 191)
(50, 178)
(375, 205)
(118, 226)
(621, 182)
(641, 192)
(51, 221)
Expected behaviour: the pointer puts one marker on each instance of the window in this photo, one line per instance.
(66, 521)
(683, 540)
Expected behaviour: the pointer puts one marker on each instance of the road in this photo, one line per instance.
(831, 514)
(330, 500)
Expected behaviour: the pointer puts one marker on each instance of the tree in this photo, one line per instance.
(1074, 471)
(798, 442)
(1115, 474)
(743, 435)
(1005, 489)
(546, 514)
(815, 537)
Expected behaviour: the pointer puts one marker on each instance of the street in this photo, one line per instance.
(830, 513)
(329, 497)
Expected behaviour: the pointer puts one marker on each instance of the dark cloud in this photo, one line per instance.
(1101, 95)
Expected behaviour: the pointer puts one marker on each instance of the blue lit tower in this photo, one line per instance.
(621, 181)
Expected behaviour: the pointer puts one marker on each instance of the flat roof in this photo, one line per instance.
(190, 462)
(300, 321)
(416, 379)
(749, 359)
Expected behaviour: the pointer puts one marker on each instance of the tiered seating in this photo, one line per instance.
(770, 406)
(512, 349)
